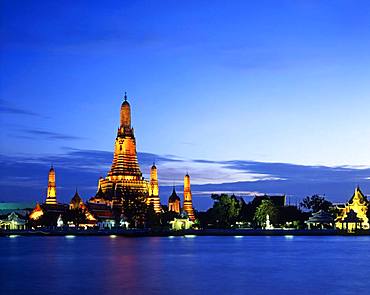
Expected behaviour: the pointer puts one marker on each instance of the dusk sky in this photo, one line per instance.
(248, 96)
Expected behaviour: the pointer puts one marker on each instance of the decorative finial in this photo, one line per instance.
(125, 96)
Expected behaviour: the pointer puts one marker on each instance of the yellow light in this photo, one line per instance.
(190, 236)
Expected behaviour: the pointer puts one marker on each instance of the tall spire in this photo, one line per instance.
(188, 199)
(125, 116)
(51, 197)
(154, 190)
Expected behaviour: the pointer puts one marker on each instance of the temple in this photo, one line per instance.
(51, 197)
(125, 180)
(76, 202)
(174, 202)
(353, 215)
(153, 198)
(188, 201)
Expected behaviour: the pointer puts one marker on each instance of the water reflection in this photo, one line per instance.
(214, 265)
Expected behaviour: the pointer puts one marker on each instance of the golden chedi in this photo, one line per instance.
(124, 178)
(188, 201)
(51, 197)
(153, 198)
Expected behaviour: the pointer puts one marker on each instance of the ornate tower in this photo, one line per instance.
(125, 164)
(188, 201)
(174, 202)
(124, 178)
(51, 198)
(154, 190)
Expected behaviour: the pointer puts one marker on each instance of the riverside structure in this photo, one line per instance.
(123, 183)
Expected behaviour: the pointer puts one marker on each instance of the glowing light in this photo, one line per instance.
(190, 236)
(289, 237)
(238, 237)
(171, 237)
(70, 237)
(113, 236)
(13, 236)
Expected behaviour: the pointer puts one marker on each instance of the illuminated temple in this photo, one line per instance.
(51, 197)
(125, 178)
(353, 215)
(124, 184)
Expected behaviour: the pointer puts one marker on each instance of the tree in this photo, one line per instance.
(76, 216)
(316, 203)
(225, 210)
(134, 209)
(152, 219)
(266, 208)
(247, 212)
(292, 215)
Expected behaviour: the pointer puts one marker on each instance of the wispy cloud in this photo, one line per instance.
(8, 108)
(25, 177)
(48, 135)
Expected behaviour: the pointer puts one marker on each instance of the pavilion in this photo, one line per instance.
(321, 220)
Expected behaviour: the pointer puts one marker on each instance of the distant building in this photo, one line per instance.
(51, 205)
(188, 200)
(174, 202)
(37, 212)
(76, 202)
(13, 221)
(153, 198)
(321, 220)
(353, 215)
(51, 197)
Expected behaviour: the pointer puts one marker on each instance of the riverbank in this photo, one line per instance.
(185, 233)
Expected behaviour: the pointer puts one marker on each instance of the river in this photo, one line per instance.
(185, 265)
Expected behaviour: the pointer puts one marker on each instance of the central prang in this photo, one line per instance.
(125, 180)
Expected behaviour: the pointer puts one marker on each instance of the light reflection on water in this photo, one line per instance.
(216, 265)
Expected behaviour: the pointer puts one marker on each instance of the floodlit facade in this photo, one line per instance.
(37, 212)
(13, 222)
(153, 198)
(353, 215)
(125, 178)
(51, 198)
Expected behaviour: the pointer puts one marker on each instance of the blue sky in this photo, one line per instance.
(223, 81)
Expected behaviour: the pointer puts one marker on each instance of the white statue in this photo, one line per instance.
(268, 223)
(60, 222)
